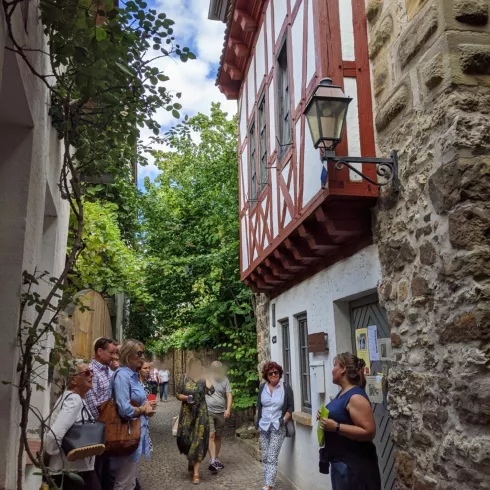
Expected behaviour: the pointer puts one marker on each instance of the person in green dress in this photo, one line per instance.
(193, 429)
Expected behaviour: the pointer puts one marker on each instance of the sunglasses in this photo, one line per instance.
(87, 373)
(273, 373)
(141, 353)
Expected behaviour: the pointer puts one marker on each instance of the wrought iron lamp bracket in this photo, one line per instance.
(386, 168)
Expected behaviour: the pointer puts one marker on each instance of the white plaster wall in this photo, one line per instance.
(324, 298)
(272, 117)
(269, 40)
(244, 169)
(33, 218)
(346, 30)
(243, 117)
(352, 125)
(280, 13)
(311, 59)
(312, 169)
(251, 87)
(275, 220)
(244, 243)
(260, 57)
(297, 58)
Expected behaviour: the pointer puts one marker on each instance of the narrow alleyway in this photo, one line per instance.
(167, 469)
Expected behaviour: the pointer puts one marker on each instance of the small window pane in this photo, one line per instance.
(252, 157)
(304, 365)
(286, 352)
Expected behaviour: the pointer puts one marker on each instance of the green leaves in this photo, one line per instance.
(190, 230)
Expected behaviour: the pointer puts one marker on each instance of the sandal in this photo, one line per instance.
(196, 480)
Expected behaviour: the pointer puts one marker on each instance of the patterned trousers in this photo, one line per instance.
(270, 443)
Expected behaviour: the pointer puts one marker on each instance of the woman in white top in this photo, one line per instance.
(69, 411)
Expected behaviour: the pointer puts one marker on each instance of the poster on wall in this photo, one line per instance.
(384, 349)
(362, 347)
(373, 343)
(374, 389)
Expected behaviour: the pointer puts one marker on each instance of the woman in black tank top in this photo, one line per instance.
(349, 453)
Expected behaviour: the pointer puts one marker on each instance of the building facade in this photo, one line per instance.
(328, 253)
(33, 216)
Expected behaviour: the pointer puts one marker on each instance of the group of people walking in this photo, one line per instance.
(121, 374)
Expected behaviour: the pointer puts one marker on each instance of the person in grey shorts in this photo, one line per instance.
(219, 408)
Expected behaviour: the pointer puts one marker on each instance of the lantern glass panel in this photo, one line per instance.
(332, 116)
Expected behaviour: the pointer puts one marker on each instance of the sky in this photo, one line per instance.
(196, 78)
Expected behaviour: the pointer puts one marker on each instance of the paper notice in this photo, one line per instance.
(384, 349)
(373, 343)
(362, 348)
(373, 390)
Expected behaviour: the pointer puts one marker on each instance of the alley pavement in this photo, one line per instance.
(167, 469)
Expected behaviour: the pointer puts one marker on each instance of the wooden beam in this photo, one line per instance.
(232, 70)
(287, 262)
(267, 276)
(317, 239)
(300, 251)
(246, 22)
(240, 49)
(261, 284)
(277, 269)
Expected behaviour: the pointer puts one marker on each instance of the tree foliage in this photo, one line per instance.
(107, 264)
(190, 229)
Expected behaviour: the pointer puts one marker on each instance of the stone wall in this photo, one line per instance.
(431, 85)
(263, 338)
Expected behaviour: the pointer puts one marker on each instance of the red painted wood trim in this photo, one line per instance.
(350, 69)
(364, 85)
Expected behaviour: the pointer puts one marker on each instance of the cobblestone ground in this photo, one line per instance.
(167, 469)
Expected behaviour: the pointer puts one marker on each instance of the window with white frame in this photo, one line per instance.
(286, 351)
(304, 360)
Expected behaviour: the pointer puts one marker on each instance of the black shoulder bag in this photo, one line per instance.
(84, 440)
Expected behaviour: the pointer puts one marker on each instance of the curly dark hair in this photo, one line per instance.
(268, 366)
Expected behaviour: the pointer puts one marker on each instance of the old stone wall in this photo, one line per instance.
(431, 85)
(262, 325)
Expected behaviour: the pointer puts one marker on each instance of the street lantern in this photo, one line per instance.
(326, 112)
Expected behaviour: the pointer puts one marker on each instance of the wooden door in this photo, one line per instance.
(364, 313)
(90, 324)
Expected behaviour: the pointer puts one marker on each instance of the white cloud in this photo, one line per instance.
(195, 80)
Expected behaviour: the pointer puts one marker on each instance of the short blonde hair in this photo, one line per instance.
(128, 349)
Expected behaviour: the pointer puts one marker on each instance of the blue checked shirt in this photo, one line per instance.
(101, 387)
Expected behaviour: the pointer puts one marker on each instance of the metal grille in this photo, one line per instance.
(286, 352)
(363, 313)
(304, 364)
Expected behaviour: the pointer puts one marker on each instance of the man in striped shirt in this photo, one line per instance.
(105, 351)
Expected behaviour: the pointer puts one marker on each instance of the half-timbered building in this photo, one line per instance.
(305, 226)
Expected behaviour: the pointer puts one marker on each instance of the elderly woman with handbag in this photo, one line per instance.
(72, 414)
(131, 402)
(275, 407)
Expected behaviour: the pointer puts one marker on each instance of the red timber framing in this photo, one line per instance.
(335, 223)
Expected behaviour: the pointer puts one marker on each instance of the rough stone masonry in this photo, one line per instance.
(431, 80)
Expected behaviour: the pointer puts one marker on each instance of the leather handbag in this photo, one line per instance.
(84, 440)
(290, 428)
(122, 436)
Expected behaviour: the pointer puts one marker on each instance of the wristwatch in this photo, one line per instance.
(337, 429)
